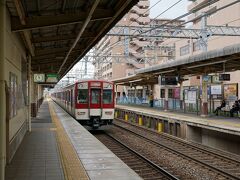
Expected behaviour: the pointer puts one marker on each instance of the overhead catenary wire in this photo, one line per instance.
(179, 17)
(119, 41)
(186, 14)
(136, 19)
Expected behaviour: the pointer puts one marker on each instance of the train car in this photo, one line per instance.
(91, 102)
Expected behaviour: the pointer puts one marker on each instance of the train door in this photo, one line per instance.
(82, 101)
(95, 104)
(71, 101)
(108, 102)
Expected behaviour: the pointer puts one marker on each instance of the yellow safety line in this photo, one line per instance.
(72, 166)
(185, 118)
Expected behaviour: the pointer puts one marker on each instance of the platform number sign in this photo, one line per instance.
(39, 78)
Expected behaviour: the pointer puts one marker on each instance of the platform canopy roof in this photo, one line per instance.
(216, 61)
(58, 33)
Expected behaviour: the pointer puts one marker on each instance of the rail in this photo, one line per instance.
(182, 150)
(139, 159)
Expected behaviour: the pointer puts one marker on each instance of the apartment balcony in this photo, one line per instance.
(138, 10)
(135, 48)
(135, 53)
(143, 4)
(197, 4)
(134, 23)
(143, 20)
(133, 17)
(139, 43)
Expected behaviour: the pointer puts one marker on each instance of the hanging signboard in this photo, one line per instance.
(224, 77)
(169, 80)
(39, 78)
(51, 78)
(207, 79)
(215, 79)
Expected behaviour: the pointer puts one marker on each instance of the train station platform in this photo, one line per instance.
(224, 124)
(216, 131)
(58, 147)
(38, 155)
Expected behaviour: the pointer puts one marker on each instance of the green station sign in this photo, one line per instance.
(45, 78)
(51, 78)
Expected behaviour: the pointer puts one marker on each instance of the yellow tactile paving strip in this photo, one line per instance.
(181, 117)
(72, 166)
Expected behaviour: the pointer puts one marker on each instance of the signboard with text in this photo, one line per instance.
(45, 78)
(216, 89)
(224, 77)
(39, 78)
(190, 96)
(51, 78)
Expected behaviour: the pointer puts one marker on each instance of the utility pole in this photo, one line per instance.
(204, 33)
(85, 68)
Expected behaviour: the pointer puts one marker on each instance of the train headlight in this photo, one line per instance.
(108, 112)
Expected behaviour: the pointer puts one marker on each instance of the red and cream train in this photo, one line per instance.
(91, 102)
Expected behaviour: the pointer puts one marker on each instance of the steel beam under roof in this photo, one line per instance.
(215, 61)
(50, 27)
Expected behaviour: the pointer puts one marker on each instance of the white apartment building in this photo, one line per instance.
(114, 48)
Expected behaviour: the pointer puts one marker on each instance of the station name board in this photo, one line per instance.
(45, 78)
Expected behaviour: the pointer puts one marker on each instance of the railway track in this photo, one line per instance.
(224, 165)
(144, 167)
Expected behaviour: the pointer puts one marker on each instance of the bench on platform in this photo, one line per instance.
(226, 111)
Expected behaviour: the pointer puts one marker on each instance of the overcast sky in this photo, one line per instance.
(179, 9)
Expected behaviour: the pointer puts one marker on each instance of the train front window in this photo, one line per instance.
(82, 96)
(95, 96)
(107, 96)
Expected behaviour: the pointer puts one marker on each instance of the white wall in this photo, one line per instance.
(14, 52)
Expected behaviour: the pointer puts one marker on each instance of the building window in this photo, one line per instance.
(162, 93)
(184, 50)
(196, 46)
(170, 93)
(13, 94)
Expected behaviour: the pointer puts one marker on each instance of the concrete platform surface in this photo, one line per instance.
(99, 162)
(37, 157)
(217, 123)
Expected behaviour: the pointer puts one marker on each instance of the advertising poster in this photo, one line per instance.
(216, 89)
(230, 91)
(191, 96)
(176, 93)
